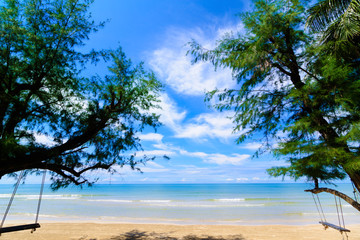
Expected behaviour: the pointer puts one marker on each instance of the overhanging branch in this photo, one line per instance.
(346, 198)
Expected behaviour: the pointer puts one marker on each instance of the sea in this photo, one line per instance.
(229, 204)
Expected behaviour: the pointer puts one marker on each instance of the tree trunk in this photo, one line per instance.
(326, 131)
(355, 178)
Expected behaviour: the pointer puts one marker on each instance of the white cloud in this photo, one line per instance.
(151, 137)
(205, 125)
(212, 125)
(153, 170)
(174, 67)
(149, 167)
(154, 164)
(155, 153)
(194, 154)
(242, 179)
(220, 159)
(250, 146)
(217, 158)
(43, 139)
(170, 114)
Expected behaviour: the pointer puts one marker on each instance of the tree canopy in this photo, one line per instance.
(337, 20)
(90, 122)
(293, 91)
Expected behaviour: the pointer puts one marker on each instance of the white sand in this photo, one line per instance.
(116, 231)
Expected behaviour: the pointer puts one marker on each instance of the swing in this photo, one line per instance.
(32, 226)
(341, 227)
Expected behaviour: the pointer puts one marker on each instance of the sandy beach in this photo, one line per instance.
(116, 231)
(176, 212)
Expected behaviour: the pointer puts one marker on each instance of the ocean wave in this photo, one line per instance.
(5, 195)
(230, 200)
(199, 205)
(33, 215)
(155, 201)
(219, 203)
(129, 201)
(47, 197)
(110, 200)
(54, 197)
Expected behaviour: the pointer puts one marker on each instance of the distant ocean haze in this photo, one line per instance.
(233, 204)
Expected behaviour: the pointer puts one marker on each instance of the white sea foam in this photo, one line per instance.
(48, 197)
(5, 195)
(129, 201)
(110, 200)
(26, 214)
(155, 201)
(199, 205)
(53, 197)
(230, 200)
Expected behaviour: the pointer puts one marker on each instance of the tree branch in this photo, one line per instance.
(348, 199)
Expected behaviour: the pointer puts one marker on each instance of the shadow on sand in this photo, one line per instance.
(138, 235)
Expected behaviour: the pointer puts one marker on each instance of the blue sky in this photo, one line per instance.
(198, 139)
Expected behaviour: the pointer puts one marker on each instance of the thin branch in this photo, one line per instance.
(74, 151)
(308, 73)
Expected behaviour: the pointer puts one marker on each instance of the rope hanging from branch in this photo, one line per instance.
(340, 215)
(32, 226)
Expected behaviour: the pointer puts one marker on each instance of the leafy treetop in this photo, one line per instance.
(92, 122)
(292, 91)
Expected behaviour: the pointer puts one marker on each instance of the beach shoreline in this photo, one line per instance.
(175, 212)
(126, 231)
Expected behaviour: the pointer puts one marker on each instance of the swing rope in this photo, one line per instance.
(341, 228)
(27, 226)
(337, 211)
(319, 207)
(40, 197)
(342, 215)
(356, 192)
(12, 197)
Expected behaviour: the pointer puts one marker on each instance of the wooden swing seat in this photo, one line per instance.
(19, 228)
(341, 229)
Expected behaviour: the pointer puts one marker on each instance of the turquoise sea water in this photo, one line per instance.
(235, 204)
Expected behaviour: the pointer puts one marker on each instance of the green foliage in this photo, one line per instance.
(292, 90)
(337, 20)
(92, 122)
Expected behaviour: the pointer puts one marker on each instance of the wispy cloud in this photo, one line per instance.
(170, 114)
(220, 159)
(156, 137)
(173, 65)
(250, 146)
(155, 152)
(43, 139)
(207, 125)
(217, 158)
